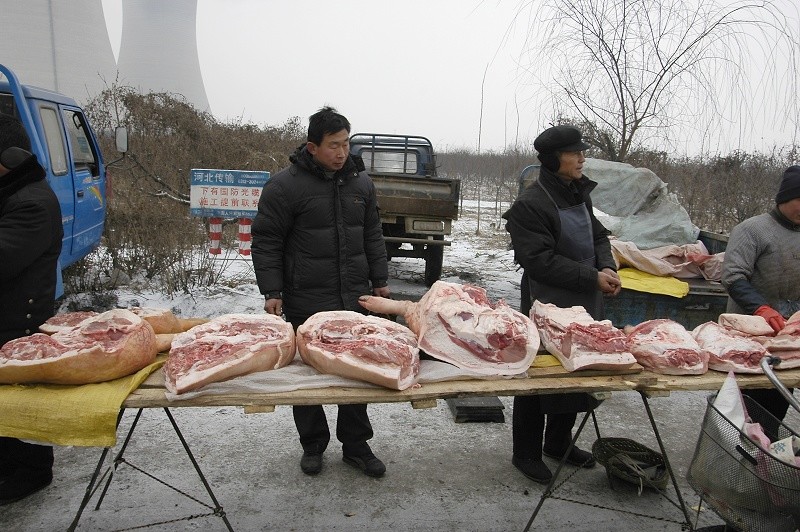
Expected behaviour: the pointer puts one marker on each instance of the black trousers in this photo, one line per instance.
(18, 455)
(353, 428)
(530, 432)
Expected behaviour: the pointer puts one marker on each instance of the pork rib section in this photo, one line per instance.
(355, 346)
(578, 341)
(729, 350)
(458, 324)
(225, 347)
(103, 347)
(665, 346)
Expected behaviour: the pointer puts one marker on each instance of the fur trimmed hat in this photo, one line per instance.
(790, 185)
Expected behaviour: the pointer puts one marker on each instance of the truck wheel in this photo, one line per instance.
(433, 264)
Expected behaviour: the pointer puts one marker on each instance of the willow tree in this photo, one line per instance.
(633, 72)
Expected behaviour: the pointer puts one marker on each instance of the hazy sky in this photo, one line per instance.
(410, 66)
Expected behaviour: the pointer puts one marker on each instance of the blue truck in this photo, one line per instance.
(67, 148)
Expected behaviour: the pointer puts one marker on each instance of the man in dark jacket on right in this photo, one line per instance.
(30, 243)
(566, 257)
(318, 246)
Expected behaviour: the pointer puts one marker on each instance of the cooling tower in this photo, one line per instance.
(58, 45)
(158, 50)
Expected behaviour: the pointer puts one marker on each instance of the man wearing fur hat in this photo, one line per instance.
(762, 267)
(567, 261)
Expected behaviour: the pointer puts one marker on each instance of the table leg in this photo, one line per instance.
(666, 460)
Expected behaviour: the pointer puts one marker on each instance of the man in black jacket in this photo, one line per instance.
(30, 243)
(567, 261)
(318, 246)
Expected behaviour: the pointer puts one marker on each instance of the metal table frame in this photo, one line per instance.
(119, 459)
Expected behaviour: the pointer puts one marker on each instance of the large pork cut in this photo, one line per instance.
(458, 324)
(785, 344)
(729, 350)
(355, 346)
(746, 324)
(103, 347)
(579, 341)
(665, 346)
(227, 346)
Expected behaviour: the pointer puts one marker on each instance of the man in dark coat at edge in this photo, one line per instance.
(566, 257)
(30, 243)
(318, 246)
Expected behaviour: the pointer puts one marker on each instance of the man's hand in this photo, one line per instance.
(274, 306)
(383, 291)
(772, 316)
(608, 282)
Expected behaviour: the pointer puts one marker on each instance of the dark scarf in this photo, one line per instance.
(23, 175)
(781, 219)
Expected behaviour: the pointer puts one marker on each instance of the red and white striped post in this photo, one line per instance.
(244, 236)
(215, 233)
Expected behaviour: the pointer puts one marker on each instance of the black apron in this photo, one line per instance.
(575, 242)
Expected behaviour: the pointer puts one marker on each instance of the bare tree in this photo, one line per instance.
(632, 71)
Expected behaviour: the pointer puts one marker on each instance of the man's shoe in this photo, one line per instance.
(535, 470)
(368, 463)
(576, 457)
(311, 464)
(21, 484)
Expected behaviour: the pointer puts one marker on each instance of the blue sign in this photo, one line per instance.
(225, 193)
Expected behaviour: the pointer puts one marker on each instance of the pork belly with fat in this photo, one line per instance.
(355, 346)
(458, 324)
(99, 348)
(665, 346)
(729, 350)
(225, 347)
(579, 341)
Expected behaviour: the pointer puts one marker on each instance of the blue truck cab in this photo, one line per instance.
(66, 147)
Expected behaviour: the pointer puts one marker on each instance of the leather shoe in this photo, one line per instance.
(576, 457)
(23, 483)
(535, 470)
(368, 463)
(311, 464)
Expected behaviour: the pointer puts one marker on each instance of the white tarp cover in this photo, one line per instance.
(636, 206)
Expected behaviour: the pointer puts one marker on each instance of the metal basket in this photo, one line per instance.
(632, 462)
(749, 488)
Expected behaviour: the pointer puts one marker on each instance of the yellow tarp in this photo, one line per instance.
(640, 281)
(545, 360)
(84, 415)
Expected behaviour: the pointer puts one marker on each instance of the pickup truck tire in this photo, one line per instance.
(434, 258)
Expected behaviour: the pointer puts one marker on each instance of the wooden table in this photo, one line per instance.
(151, 394)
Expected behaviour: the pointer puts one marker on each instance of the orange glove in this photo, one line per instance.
(772, 316)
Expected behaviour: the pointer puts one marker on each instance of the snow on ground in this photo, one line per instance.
(481, 257)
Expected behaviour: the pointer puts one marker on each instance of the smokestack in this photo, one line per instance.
(58, 45)
(158, 50)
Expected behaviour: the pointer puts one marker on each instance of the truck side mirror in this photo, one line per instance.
(121, 138)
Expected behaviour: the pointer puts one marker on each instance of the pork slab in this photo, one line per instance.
(579, 341)
(227, 346)
(729, 350)
(458, 324)
(103, 347)
(665, 346)
(355, 346)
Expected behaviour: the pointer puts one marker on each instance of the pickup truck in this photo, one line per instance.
(705, 301)
(66, 147)
(417, 207)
